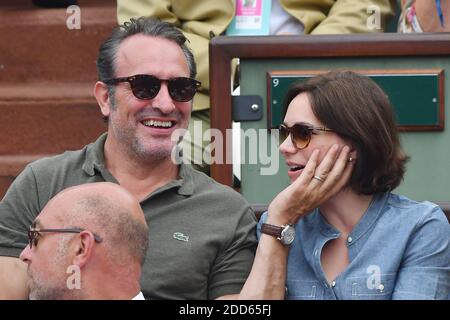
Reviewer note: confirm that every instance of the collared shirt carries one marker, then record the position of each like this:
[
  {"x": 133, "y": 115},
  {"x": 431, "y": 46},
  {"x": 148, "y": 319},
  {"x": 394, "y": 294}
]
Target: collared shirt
[
  {"x": 202, "y": 238},
  {"x": 400, "y": 249}
]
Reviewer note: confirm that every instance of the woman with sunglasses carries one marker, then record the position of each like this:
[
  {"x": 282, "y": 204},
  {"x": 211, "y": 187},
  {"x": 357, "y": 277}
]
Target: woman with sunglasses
[{"x": 364, "y": 242}]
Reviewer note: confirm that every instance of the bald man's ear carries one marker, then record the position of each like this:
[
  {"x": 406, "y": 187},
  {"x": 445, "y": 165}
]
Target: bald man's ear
[
  {"x": 84, "y": 248},
  {"x": 102, "y": 96}
]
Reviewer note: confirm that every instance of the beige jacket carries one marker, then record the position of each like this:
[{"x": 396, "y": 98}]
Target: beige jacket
[{"x": 202, "y": 19}]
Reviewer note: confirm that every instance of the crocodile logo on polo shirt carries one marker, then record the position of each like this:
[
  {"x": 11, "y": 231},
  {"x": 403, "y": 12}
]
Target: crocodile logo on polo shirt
[{"x": 180, "y": 236}]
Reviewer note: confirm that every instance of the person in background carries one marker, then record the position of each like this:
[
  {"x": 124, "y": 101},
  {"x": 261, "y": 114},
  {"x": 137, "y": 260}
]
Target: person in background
[
  {"x": 89, "y": 242},
  {"x": 419, "y": 16},
  {"x": 201, "y": 20},
  {"x": 364, "y": 242}
]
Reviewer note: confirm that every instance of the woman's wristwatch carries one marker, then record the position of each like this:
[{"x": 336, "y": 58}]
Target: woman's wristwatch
[{"x": 285, "y": 233}]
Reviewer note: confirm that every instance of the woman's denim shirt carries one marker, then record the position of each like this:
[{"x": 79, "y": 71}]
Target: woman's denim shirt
[{"x": 400, "y": 249}]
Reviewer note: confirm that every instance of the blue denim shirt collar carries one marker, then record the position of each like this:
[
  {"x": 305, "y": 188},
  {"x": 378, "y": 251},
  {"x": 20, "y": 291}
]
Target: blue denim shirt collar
[
  {"x": 363, "y": 226},
  {"x": 314, "y": 242}
]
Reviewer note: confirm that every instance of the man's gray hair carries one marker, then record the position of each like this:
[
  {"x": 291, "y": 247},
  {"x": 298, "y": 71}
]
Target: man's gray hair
[
  {"x": 147, "y": 26},
  {"x": 107, "y": 55}
]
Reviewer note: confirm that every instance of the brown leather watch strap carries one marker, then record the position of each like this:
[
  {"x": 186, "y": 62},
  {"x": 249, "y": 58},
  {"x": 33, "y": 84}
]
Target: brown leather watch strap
[{"x": 272, "y": 230}]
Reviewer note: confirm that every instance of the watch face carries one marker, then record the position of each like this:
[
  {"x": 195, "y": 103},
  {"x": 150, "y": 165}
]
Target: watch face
[{"x": 288, "y": 235}]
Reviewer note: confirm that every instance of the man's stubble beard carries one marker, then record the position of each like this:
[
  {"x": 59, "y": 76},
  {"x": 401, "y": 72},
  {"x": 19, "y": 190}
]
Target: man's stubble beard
[
  {"x": 135, "y": 148},
  {"x": 130, "y": 143},
  {"x": 56, "y": 289}
]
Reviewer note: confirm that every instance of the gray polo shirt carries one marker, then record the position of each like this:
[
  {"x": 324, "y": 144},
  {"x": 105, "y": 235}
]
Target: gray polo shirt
[{"x": 202, "y": 233}]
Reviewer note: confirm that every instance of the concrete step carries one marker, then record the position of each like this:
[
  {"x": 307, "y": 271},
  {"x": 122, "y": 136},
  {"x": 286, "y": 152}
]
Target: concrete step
[
  {"x": 47, "y": 73},
  {"x": 36, "y": 44},
  {"x": 32, "y": 130},
  {"x": 48, "y": 121}
]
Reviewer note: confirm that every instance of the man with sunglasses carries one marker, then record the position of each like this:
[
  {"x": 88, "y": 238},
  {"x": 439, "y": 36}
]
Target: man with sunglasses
[
  {"x": 201, "y": 20},
  {"x": 89, "y": 242},
  {"x": 202, "y": 233}
]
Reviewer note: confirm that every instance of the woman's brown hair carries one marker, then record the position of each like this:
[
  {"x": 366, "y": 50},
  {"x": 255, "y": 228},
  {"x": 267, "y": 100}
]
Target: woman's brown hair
[{"x": 358, "y": 110}]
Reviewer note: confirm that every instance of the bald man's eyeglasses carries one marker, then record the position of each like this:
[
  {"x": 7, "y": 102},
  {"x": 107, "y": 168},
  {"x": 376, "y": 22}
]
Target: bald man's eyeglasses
[
  {"x": 34, "y": 234},
  {"x": 146, "y": 87}
]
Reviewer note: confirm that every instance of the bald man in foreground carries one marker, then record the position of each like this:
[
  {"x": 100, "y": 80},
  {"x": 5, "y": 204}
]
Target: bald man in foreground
[{"x": 89, "y": 242}]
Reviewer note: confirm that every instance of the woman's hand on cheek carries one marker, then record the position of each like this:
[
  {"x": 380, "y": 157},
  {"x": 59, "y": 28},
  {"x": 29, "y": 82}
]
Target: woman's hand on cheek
[{"x": 316, "y": 184}]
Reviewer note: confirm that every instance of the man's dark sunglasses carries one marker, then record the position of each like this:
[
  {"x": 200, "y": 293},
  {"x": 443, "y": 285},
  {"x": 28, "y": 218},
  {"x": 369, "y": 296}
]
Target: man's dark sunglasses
[
  {"x": 146, "y": 86},
  {"x": 300, "y": 133},
  {"x": 34, "y": 234}
]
